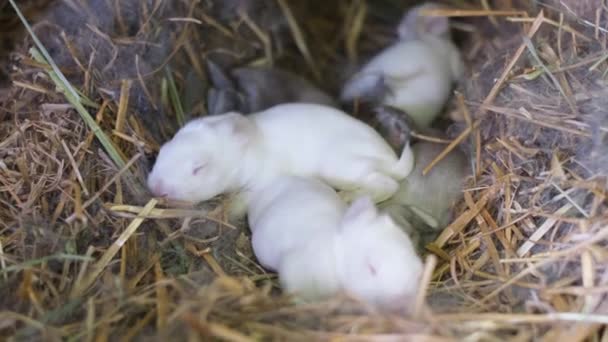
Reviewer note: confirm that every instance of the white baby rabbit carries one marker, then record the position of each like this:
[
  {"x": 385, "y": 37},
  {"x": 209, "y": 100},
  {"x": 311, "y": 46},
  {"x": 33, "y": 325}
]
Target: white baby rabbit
[
  {"x": 231, "y": 152},
  {"x": 302, "y": 229},
  {"x": 309, "y": 271},
  {"x": 293, "y": 223},
  {"x": 376, "y": 261},
  {"x": 288, "y": 212},
  {"x": 416, "y": 74},
  {"x": 367, "y": 256}
]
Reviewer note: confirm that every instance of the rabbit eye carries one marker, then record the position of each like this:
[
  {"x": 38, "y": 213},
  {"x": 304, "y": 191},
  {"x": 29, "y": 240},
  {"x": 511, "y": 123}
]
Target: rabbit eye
[
  {"x": 370, "y": 267},
  {"x": 198, "y": 169}
]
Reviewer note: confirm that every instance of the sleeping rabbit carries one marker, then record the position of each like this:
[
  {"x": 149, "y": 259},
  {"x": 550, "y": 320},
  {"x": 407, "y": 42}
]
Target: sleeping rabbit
[
  {"x": 301, "y": 228},
  {"x": 232, "y": 152},
  {"x": 376, "y": 260},
  {"x": 290, "y": 211},
  {"x": 416, "y": 74}
]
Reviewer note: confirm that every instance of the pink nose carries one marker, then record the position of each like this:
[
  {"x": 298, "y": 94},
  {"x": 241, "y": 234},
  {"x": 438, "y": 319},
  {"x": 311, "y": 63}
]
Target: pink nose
[{"x": 158, "y": 188}]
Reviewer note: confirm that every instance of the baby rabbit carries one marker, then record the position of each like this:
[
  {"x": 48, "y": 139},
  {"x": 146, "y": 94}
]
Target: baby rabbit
[
  {"x": 425, "y": 201},
  {"x": 289, "y": 211},
  {"x": 302, "y": 229},
  {"x": 416, "y": 74},
  {"x": 309, "y": 271},
  {"x": 376, "y": 261},
  {"x": 252, "y": 89},
  {"x": 373, "y": 261},
  {"x": 232, "y": 152}
]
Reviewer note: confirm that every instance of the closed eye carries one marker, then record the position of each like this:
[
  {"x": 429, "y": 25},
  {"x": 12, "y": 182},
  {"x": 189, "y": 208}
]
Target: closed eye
[
  {"x": 198, "y": 169},
  {"x": 370, "y": 267}
]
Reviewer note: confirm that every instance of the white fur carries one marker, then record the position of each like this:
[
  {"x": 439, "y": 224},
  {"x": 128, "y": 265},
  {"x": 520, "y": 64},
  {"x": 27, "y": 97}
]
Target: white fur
[
  {"x": 290, "y": 211},
  {"x": 309, "y": 140},
  {"x": 215, "y": 143},
  {"x": 294, "y": 222},
  {"x": 376, "y": 261},
  {"x": 301, "y": 228},
  {"x": 416, "y": 74},
  {"x": 414, "y": 25},
  {"x": 309, "y": 271}
]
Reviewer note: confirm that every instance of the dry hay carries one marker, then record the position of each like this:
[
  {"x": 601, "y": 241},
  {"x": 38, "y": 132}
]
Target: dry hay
[{"x": 85, "y": 255}]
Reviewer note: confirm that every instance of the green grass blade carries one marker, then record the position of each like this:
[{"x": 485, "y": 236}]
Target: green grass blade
[
  {"x": 41, "y": 55},
  {"x": 67, "y": 86},
  {"x": 75, "y": 101},
  {"x": 174, "y": 96}
]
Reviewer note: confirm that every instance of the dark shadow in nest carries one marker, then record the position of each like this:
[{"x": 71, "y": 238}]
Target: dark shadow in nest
[{"x": 13, "y": 31}]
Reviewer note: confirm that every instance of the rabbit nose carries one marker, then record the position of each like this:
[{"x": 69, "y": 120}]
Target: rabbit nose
[{"x": 158, "y": 188}]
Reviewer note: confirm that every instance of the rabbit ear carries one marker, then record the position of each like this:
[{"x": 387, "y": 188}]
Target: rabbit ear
[
  {"x": 218, "y": 77},
  {"x": 222, "y": 101},
  {"x": 238, "y": 126},
  {"x": 362, "y": 209},
  {"x": 434, "y": 25},
  {"x": 407, "y": 29},
  {"x": 414, "y": 23},
  {"x": 233, "y": 122},
  {"x": 241, "y": 127}
]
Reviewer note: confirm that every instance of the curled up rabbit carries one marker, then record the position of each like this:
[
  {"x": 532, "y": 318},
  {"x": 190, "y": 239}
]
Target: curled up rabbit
[
  {"x": 415, "y": 74},
  {"x": 320, "y": 247}
]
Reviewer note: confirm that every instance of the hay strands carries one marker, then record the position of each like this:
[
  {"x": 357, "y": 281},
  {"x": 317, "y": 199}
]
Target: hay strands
[
  {"x": 41, "y": 55},
  {"x": 109, "y": 254}
]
